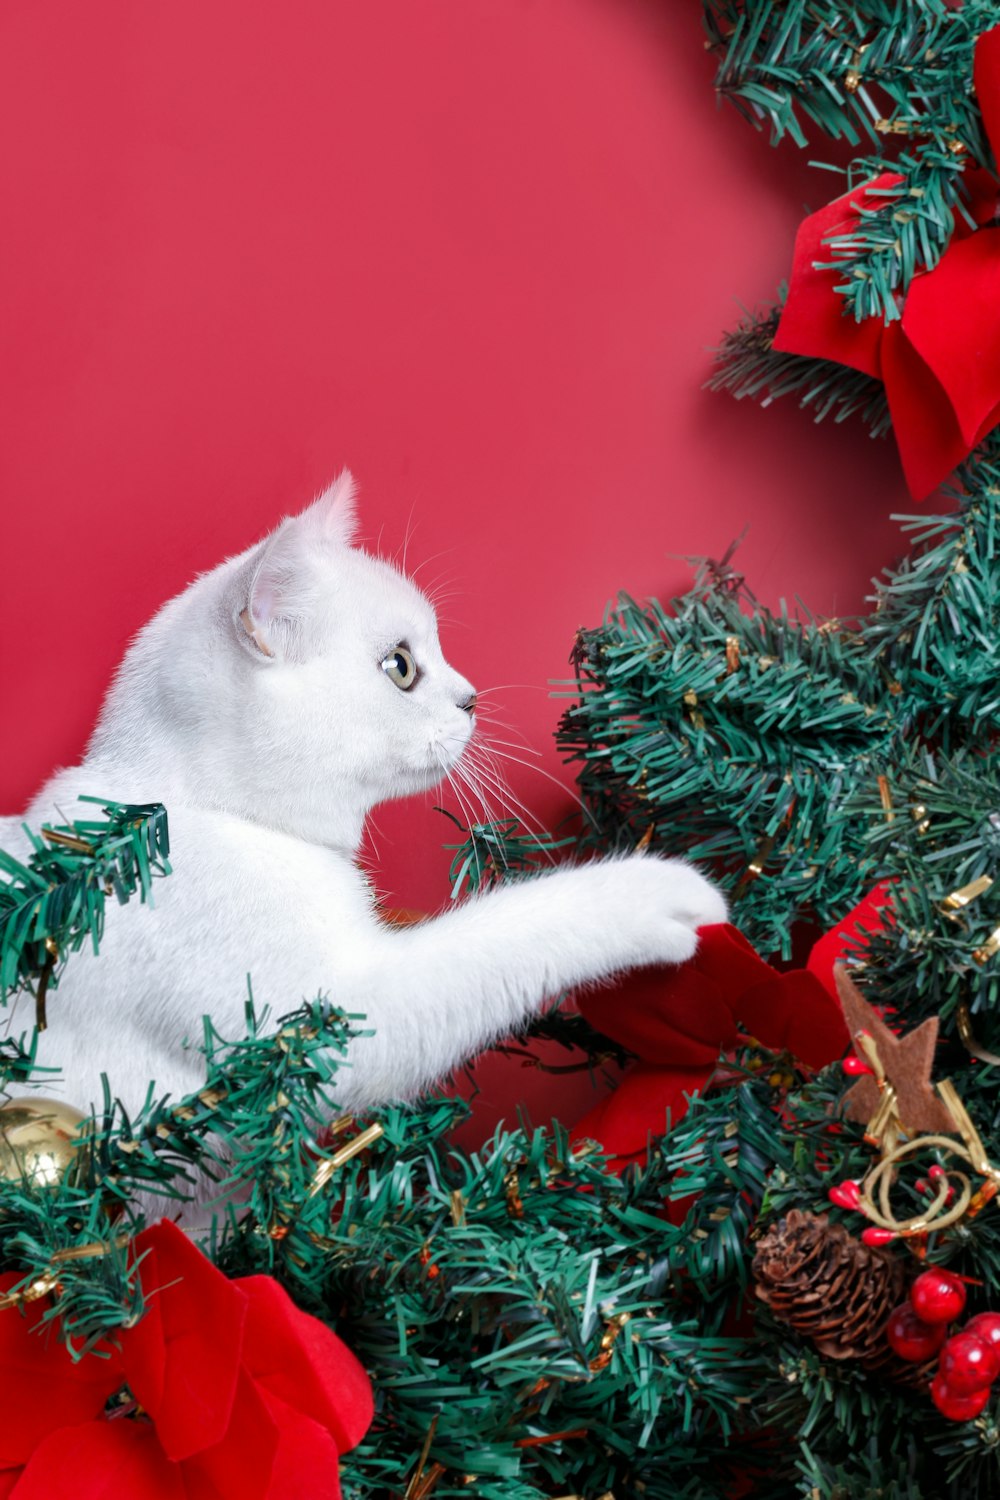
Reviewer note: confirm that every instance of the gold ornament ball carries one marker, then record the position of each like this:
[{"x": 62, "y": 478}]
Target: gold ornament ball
[{"x": 38, "y": 1140}]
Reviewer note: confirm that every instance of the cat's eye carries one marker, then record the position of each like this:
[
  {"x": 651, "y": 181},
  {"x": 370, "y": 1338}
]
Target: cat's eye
[{"x": 400, "y": 667}]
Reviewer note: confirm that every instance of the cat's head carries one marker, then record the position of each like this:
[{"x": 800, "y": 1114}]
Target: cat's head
[{"x": 306, "y": 678}]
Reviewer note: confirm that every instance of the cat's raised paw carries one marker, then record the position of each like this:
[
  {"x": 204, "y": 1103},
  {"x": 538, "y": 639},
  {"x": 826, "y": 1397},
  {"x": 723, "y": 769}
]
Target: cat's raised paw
[{"x": 692, "y": 899}]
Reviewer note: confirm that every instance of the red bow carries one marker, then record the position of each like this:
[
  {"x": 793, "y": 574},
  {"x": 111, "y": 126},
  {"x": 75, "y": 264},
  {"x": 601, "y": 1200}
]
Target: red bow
[
  {"x": 241, "y": 1396},
  {"x": 940, "y": 360},
  {"x": 679, "y": 1020}
]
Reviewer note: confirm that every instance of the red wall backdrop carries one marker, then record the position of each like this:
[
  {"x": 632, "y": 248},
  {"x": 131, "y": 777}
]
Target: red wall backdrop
[{"x": 477, "y": 251}]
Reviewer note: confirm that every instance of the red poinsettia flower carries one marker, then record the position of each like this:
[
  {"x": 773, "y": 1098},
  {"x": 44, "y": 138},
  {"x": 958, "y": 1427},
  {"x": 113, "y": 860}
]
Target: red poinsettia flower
[
  {"x": 238, "y": 1395},
  {"x": 940, "y": 360},
  {"x": 678, "y": 1020}
]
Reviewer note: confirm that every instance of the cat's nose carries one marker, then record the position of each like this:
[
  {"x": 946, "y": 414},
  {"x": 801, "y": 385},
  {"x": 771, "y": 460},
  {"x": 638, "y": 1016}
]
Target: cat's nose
[{"x": 469, "y": 706}]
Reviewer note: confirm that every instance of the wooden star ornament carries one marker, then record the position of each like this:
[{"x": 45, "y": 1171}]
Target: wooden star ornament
[{"x": 908, "y": 1062}]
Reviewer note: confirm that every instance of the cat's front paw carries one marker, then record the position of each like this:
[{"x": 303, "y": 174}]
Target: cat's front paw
[
  {"x": 669, "y": 900},
  {"x": 688, "y": 896}
]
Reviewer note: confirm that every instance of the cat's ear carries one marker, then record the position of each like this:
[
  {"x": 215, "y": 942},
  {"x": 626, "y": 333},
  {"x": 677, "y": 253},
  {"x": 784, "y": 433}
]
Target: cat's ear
[
  {"x": 333, "y": 518},
  {"x": 279, "y": 586}
]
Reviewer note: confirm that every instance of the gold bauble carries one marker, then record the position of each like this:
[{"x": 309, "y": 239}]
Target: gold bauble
[{"x": 39, "y": 1140}]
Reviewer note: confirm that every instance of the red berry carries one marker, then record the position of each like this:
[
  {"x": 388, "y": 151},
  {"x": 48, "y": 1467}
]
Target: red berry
[
  {"x": 875, "y": 1236},
  {"x": 958, "y": 1408},
  {"x": 968, "y": 1364},
  {"x": 986, "y": 1326},
  {"x": 912, "y": 1339},
  {"x": 937, "y": 1296},
  {"x": 845, "y": 1194}
]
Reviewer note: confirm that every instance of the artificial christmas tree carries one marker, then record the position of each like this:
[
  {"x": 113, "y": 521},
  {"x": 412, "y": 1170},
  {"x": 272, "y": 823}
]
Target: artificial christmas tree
[{"x": 721, "y": 1313}]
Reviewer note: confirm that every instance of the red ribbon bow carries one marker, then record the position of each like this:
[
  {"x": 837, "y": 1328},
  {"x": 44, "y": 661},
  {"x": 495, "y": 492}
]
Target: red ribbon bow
[
  {"x": 680, "y": 1019},
  {"x": 241, "y": 1396},
  {"x": 940, "y": 360}
]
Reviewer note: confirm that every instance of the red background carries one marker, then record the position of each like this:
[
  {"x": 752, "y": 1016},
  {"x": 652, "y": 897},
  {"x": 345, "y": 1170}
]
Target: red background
[{"x": 477, "y": 251}]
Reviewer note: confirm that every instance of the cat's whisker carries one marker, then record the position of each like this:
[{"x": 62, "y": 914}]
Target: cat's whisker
[
  {"x": 531, "y": 766},
  {"x": 514, "y": 806},
  {"x": 489, "y": 813},
  {"x": 467, "y": 813},
  {"x": 457, "y": 769},
  {"x": 489, "y": 711},
  {"x": 466, "y": 773},
  {"x": 436, "y": 601},
  {"x": 410, "y": 528},
  {"x": 444, "y": 578},
  {"x": 514, "y": 745},
  {"x": 428, "y": 560}
]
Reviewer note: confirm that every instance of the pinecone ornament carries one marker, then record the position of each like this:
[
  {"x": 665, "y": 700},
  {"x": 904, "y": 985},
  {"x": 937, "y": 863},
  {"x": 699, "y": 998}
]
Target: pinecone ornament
[{"x": 831, "y": 1288}]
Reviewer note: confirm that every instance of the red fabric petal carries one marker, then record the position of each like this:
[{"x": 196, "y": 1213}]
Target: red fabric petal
[
  {"x": 665, "y": 1014},
  {"x": 679, "y": 1020},
  {"x": 685, "y": 1016},
  {"x": 982, "y": 198},
  {"x": 815, "y": 321},
  {"x": 297, "y": 1359},
  {"x": 848, "y": 935},
  {"x": 43, "y": 1389},
  {"x": 923, "y": 420},
  {"x": 989, "y": 422},
  {"x": 952, "y": 319},
  {"x": 8, "y": 1479},
  {"x": 986, "y": 80},
  {"x": 307, "y": 1460},
  {"x": 730, "y": 959},
  {"x": 119, "y": 1460},
  {"x": 182, "y": 1359},
  {"x": 638, "y": 1108},
  {"x": 241, "y": 1467},
  {"x": 794, "y": 1012}
]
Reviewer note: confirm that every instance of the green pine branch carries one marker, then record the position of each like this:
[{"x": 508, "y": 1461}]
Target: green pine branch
[
  {"x": 735, "y": 736},
  {"x": 747, "y": 366},
  {"x": 253, "y": 1129},
  {"x": 55, "y": 902},
  {"x": 876, "y": 72},
  {"x": 936, "y": 618}
]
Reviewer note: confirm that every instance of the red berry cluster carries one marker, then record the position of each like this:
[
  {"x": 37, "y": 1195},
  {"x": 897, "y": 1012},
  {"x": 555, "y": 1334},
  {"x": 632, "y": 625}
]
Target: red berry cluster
[{"x": 969, "y": 1360}]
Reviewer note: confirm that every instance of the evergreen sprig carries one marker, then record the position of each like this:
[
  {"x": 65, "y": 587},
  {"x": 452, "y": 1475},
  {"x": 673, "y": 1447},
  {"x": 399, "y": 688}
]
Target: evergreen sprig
[
  {"x": 734, "y": 735},
  {"x": 53, "y": 903},
  {"x": 936, "y": 617},
  {"x": 747, "y": 366},
  {"x": 252, "y": 1133},
  {"x": 515, "y": 1294},
  {"x": 875, "y": 72}
]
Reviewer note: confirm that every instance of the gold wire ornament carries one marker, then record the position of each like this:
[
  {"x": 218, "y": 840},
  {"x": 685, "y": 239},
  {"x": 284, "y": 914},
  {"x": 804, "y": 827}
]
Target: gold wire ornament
[
  {"x": 963, "y": 1018},
  {"x": 952, "y": 906},
  {"x": 755, "y": 868},
  {"x": 852, "y": 78},
  {"x": 954, "y": 1198},
  {"x": 918, "y": 812},
  {"x": 984, "y": 953}
]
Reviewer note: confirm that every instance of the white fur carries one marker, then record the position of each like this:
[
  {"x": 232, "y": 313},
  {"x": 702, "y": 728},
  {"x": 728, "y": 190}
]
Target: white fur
[{"x": 255, "y": 707}]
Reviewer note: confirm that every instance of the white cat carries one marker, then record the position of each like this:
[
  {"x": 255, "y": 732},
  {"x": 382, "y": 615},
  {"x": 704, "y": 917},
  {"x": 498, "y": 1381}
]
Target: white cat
[{"x": 271, "y": 706}]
